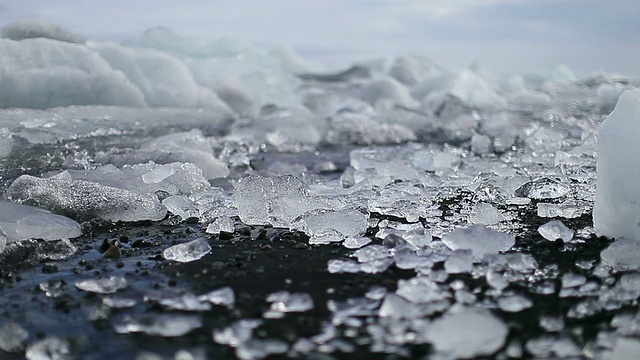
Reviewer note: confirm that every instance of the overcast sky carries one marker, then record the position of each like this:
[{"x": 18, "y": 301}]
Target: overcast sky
[{"x": 503, "y": 35}]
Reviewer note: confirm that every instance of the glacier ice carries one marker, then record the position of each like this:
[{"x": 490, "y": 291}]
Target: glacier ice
[
  {"x": 616, "y": 212},
  {"x": 108, "y": 285},
  {"x": 164, "y": 325}
]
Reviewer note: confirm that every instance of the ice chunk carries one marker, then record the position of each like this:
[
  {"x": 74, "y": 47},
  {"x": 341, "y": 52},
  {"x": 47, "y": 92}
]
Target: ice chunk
[
  {"x": 185, "y": 302},
  {"x": 485, "y": 214},
  {"x": 260, "y": 348},
  {"x": 224, "y": 296},
  {"x": 543, "y": 188},
  {"x": 236, "y": 334},
  {"x": 83, "y": 198},
  {"x": 356, "y": 242},
  {"x": 187, "y": 252},
  {"x": 479, "y": 239},
  {"x": 22, "y": 222},
  {"x": 118, "y": 302},
  {"x": 182, "y": 206},
  {"x": 165, "y": 325},
  {"x": 396, "y": 307},
  {"x": 616, "y": 212},
  {"x": 108, "y": 285},
  {"x": 420, "y": 289},
  {"x": 221, "y": 224},
  {"x": 460, "y": 261},
  {"x": 339, "y": 224},
  {"x": 514, "y": 303},
  {"x": 624, "y": 348},
  {"x": 275, "y": 200},
  {"x": 12, "y": 337},
  {"x": 49, "y": 348},
  {"x": 623, "y": 255},
  {"x": 467, "y": 334},
  {"x": 554, "y": 230},
  {"x": 285, "y": 302}
]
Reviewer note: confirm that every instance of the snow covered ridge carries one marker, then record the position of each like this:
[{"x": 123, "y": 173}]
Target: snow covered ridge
[{"x": 442, "y": 173}]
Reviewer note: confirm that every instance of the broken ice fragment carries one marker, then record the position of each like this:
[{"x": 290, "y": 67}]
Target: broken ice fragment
[
  {"x": 420, "y": 289},
  {"x": 49, "y": 348},
  {"x": 485, "y": 214},
  {"x": 543, "y": 188},
  {"x": 186, "y": 302},
  {"x": 187, "y": 252},
  {"x": 182, "y": 206},
  {"x": 85, "y": 198},
  {"x": 166, "y": 325},
  {"x": 12, "y": 337},
  {"x": 236, "y": 334},
  {"x": 260, "y": 348},
  {"x": 514, "y": 303},
  {"x": 460, "y": 261},
  {"x": 337, "y": 266},
  {"x": 340, "y": 223},
  {"x": 224, "y": 296},
  {"x": 554, "y": 230},
  {"x": 22, "y": 222},
  {"x": 479, "y": 239},
  {"x": 284, "y": 302},
  {"x": 616, "y": 212},
  {"x": 220, "y": 224},
  {"x": 622, "y": 255},
  {"x": 275, "y": 200},
  {"x": 397, "y": 307},
  {"x": 469, "y": 333},
  {"x": 118, "y": 303},
  {"x": 107, "y": 285}
]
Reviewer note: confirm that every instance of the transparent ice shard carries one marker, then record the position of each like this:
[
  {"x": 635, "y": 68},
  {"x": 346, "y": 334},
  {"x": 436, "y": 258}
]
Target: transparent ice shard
[
  {"x": 187, "y": 252},
  {"x": 285, "y": 302},
  {"x": 514, "y": 303},
  {"x": 182, "y": 206},
  {"x": 108, "y": 285},
  {"x": 544, "y": 188},
  {"x": 220, "y": 224},
  {"x": 554, "y": 230}
]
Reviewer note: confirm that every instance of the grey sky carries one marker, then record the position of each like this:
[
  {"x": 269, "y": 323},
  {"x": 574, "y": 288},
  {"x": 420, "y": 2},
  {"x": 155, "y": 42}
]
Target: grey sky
[{"x": 503, "y": 35}]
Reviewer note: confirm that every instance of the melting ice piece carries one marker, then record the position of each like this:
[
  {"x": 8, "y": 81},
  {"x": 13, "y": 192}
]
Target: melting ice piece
[
  {"x": 565, "y": 210},
  {"x": 236, "y": 334},
  {"x": 221, "y": 224},
  {"x": 224, "y": 297},
  {"x": 485, "y": 214},
  {"x": 420, "y": 289},
  {"x": 466, "y": 334},
  {"x": 186, "y": 302},
  {"x": 107, "y": 285},
  {"x": 22, "y": 222},
  {"x": 12, "y": 337},
  {"x": 623, "y": 255},
  {"x": 397, "y": 307},
  {"x": 274, "y": 200},
  {"x": 187, "y": 252},
  {"x": 616, "y": 212},
  {"x": 118, "y": 303},
  {"x": 479, "y": 239},
  {"x": 356, "y": 242},
  {"x": 49, "y": 348},
  {"x": 340, "y": 223},
  {"x": 554, "y": 230},
  {"x": 284, "y": 302},
  {"x": 86, "y": 198},
  {"x": 543, "y": 188},
  {"x": 514, "y": 303},
  {"x": 166, "y": 325},
  {"x": 182, "y": 206},
  {"x": 260, "y": 348}
]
